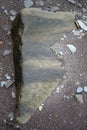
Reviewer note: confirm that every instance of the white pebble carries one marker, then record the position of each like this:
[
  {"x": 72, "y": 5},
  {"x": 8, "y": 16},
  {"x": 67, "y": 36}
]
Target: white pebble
[
  {"x": 85, "y": 89},
  {"x": 72, "y": 48},
  {"x": 79, "y": 90}
]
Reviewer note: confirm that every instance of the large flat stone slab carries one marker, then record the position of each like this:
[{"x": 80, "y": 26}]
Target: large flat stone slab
[{"x": 39, "y": 72}]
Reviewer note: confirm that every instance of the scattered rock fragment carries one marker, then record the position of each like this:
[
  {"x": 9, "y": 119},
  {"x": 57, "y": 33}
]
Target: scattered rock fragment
[
  {"x": 85, "y": 89},
  {"x": 12, "y": 18},
  {"x": 13, "y": 94},
  {"x": 2, "y": 84},
  {"x": 28, "y": 3},
  {"x": 5, "y": 12},
  {"x": 11, "y": 116},
  {"x": 72, "y": 48},
  {"x": 79, "y": 98},
  {"x": 64, "y": 36},
  {"x": 13, "y": 12},
  {"x": 79, "y": 90},
  {"x": 39, "y": 3},
  {"x": 84, "y": 10},
  {"x": 40, "y": 108},
  {"x": 76, "y": 32},
  {"x": 6, "y": 52},
  {"x": 8, "y": 83},
  {"x": 57, "y": 90},
  {"x": 72, "y": 1},
  {"x": 54, "y": 8},
  {"x": 1, "y": 42},
  {"x": 2, "y": 7},
  {"x": 81, "y": 24},
  {"x": 7, "y": 76},
  {"x": 17, "y": 127}
]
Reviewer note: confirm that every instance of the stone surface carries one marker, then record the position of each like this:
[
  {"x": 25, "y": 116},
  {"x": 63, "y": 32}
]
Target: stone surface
[{"x": 40, "y": 68}]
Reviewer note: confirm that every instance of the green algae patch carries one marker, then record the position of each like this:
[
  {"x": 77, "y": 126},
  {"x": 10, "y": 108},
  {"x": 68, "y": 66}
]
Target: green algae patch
[{"x": 37, "y": 70}]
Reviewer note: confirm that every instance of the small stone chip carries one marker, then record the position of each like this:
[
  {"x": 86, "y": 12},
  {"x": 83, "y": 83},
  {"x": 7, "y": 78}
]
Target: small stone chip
[
  {"x": 8, "y": 83},
  {"x": 85, "y": 89},
  {"x": 7, "y": 76},
  {"x": 40, "y": 108},
  {"x": 13, "y": 95},
  {"x": 72, "y": 48},
  {"x": 11, "y": 116},
  {"x": 13, "y": 12},
  {"x": 6, "y": 52},
  {"x": 12, "y": 18},
  {"x": 28, "y": 3},
  {"x": 72, "y": 1},
  {"x": 3, "y": 83},
  {"x": 79, "y": 98}
]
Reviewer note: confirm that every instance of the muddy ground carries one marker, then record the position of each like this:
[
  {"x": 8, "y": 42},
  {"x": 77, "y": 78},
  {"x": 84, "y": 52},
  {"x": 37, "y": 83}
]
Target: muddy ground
[{"x": 7, "y": 102}]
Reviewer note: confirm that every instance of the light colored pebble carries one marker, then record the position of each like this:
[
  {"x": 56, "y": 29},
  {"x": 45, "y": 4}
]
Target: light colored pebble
[
  {"x": 79, "y": 90},
  {"x": 85, "y": 89}
]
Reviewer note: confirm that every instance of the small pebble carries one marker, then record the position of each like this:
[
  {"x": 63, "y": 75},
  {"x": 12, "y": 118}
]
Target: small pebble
[
  {"x": 13, "y": 12},
  {"x": 72, "y": 48},
  {"x": 79, "y": 90},
  {"x": 2, "y": 7},
  {"x": 5, "y": 12},
  {"x": 3, "y": 83},
  {"x": 57, "y": 90},
  {"x": 85, "y": 89},
  {"x": 8, "y": 83},
  {"x": 7, "y": 77},
  {"x": 13, "y": 95},
  {"x": 6, "y": 52},
  {"x": 11, "y": 116},
  {"x": 54, "y": 9},
  {"x": 40, "y": 108},
  {"x": 79, "y": 98},
  {"x": 39, "y": 3},
  {"x": 12, "y": 18},
  {"x": 28, "y": 3}
]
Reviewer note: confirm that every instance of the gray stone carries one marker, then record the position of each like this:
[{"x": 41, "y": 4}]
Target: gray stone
[
  {"x": 79, "y": 98},
  {"x": 85, "y": 89},
  {"x": 72, "y": 1},
  {"x": 54, "y": 8},
  {"x": 76, "y": 32},
  {"x": 5, "y": 12},
  {"x": 11, "y": 116},
  {"x": 7, "y": 76},
  {"x": 7, "y": 52},
  {"x": 39, "y": 3},
  {"x": 13, "y": 12},
  {"x": 8, "y": 83},
  {"x": 12, "y": 18},
  {"x": 81, "y": 24},
  {"x": 13, "y": 94},
  {"x": 72, "y": 48},
  {"x": 28, "y": 3},
  {"x": 84, "y": 10},
  {"x": 2, "y": 84}
]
